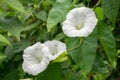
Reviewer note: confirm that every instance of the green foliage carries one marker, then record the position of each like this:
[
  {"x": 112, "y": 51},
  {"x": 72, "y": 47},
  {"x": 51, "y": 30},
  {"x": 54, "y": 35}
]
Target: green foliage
[
  {"x": 25, "y": 22},
  {"x": 13, "y": 26},
  {"x": 83, "y": 55},
  {"x": 42, "y": 15},
  {"x": 57, "y": 13},
  {"x": 4, "y": 40},
  {"x": 53, "y": 68},
  {"x": 2, "y": 57},
  {"x": 10, "y": 76},
  {"x": 111, "y": 8},
  {"x": 63, "y": 57},
  {"x": 15, "y": 4},
  {"x": 99, "y": 13},
  {"x": 108, "y": 42}
]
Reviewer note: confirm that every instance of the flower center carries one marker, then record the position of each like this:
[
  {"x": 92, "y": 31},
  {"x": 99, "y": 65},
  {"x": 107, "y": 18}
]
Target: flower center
[
  {"x": 39, "y": 58},
  {"x": 54, "y": 52},
  {"x": 79, "y": 26}
]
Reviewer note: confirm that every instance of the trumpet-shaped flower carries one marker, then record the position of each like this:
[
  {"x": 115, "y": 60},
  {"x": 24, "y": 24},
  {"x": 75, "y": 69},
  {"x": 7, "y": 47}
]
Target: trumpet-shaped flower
[
  {"x": 80, "y": 22},
  {"x": 56, "y": 48},
  {"x": 35, "y": 58}
]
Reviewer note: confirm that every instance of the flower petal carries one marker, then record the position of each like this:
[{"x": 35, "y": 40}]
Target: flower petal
[
  {"x": 56, "y": 48},
  {"x": 80, "y": 22},
  {"x": 36, "y": 58},
  {"x": 34, "y": 68}
]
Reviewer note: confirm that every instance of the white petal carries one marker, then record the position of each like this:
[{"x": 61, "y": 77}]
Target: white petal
[
  {"x": 55, "y": 47},
  {"x": 36, "y": 50},
  {"x": 34, "y": 68},
  {"x": 36, "y": 58},
  {"x": 73, "y": 16},
  {"x": 80, "y": 22}
]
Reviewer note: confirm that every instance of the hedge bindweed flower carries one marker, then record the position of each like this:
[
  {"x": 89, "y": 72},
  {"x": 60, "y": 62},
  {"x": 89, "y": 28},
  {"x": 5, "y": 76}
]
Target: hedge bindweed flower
[
  {"x": 35, "y": 58},
  {"x": 56, "y": 48},
  {"x": 80, "y": 22}
]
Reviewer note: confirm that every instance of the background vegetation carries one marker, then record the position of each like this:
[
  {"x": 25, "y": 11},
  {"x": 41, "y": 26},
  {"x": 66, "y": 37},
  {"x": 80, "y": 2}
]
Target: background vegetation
[{"x": 24, "y": 22}]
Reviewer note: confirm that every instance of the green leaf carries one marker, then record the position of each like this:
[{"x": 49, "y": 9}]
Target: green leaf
[
  {"x": 21, "y": 45},
  {"x": 99, "y": 13},
  {"x": 9, "y": 52},
  {"x": 83, "y": 76},
  {"x": 4, "y": 40},
  {"x": 16, "y": 47},
  {"x": 99, "y": 65},
  {"x": 53, "y": 72},
  {"x": 110, "y": 8},
  {"x": 57, "y": 13},
  {"x": 15, "y": 4},
  {"x": 43, "y": 35},
  {"x": 26, "y": 79},
  {"x": 108, "y": 42},
  {"x": 10, "y": 76},
  {"x": 42, "y": 15},
  {"x": 13, "y": 26},
  {"x": 2, "y": 57},
  {"x": 99, "y": 76},
  {"x": 60, "y": 36},
  {"x": 63, "y": 57},
  {"x": 85, "y": 54},
  {"x": 31, "y": 26}
]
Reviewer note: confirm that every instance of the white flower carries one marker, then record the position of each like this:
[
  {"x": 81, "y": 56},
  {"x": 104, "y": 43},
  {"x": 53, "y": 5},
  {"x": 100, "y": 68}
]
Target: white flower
[
  {"x": 35, "y": 58},
  {"x": 80, "y": 22},
  {"x": 56, "y": 48}
]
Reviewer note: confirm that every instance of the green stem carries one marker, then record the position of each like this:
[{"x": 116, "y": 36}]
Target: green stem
[
  {"x": 81, "y": 39},
  {"x": 99, "y": 1},
  {"x": 88, "y": 1}
]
